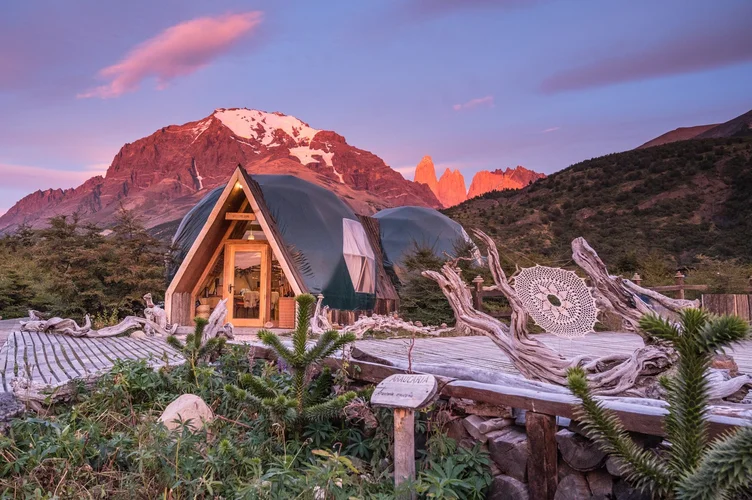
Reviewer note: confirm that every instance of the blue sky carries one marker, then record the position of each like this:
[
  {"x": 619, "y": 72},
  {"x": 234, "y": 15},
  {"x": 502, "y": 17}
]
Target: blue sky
[{"x": 477, "y": 84}]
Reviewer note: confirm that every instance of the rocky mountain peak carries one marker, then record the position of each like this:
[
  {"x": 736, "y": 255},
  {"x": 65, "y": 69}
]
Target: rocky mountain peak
[
  {"x": 425, "y": 173},
  {"x": 161, "y": 176},
  {"x": 451, "y": 188}
]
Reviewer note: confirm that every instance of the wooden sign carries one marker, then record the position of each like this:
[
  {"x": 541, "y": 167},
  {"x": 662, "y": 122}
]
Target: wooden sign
[
  {"x": 405, "y": 391},
  {"x": 240, "y": 216}
]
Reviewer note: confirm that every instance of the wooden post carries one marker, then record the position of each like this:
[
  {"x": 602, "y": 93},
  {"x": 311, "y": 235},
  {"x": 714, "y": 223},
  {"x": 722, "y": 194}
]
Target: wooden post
[
  {"x": 542, "y": 472},
  {"x": 404, "y": 446},
  {"x": 404, "y": 393},
  {"x": 478, "y": 281},
  {"x": 636, "y": 279},
  {"x": 679, "y": 279}
]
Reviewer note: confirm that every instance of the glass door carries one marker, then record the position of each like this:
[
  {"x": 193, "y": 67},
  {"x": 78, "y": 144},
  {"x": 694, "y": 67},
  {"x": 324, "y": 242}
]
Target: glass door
[{"x": 247, "y": 283}]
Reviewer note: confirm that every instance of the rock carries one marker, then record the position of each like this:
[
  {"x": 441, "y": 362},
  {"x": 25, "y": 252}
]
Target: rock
[
  {"x": 579, "y": 452},
  {"x": 452, "y": 189},
  {"x": 10, "y": 408},
  {"x": 600, "y": 482},
  {"x": 507, "y": 488},
  {"x": 572, "y": 487},
  {"x": 138, "y": 334},
  {"x": 419, "y": 324},
  {"x": 443, "y": 325},
  {"x": 510, "y": 450},
  {"x": 425, "y": 173},
  {"x": 511, "y": 178},
  {"x": 563, "y": 469},
  {"x": 470, "y": 407},
  {"x": 725, "y": 362},
  {"x": 472, "y": 424},
  {"x": 494, "y": 424},
  {"x": 622, "y": 491},
  {"x": 268, "y": 324},
  {"x": 519, "y": 417},
  {"x": 187, "y": 406}
]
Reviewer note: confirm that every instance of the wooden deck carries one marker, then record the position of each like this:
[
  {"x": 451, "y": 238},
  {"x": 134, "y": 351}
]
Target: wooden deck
[
  {"x": 482, "y": 353},
  {"x": 53, "y": 360}
]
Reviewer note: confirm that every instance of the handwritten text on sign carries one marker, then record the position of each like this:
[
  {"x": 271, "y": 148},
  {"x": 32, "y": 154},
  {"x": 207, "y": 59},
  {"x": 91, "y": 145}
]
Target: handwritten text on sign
[{"x": 405, "y": 391}]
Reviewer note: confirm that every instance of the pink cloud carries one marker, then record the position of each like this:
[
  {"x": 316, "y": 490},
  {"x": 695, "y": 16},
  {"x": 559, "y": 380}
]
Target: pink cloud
[
  {"x": 552, "y": 129},
  {"x": 487, "y": 101},
  {"x": 717, "y": 44},
  {"x": 178, "y": 51}
]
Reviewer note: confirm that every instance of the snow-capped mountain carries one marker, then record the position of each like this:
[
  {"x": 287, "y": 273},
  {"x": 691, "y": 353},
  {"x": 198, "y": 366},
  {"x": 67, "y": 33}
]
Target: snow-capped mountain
[{"x": 161, "y": 176}]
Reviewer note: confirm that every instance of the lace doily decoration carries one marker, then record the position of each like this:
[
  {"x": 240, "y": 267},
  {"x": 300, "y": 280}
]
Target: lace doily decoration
[{"x": 557, "y": 300}]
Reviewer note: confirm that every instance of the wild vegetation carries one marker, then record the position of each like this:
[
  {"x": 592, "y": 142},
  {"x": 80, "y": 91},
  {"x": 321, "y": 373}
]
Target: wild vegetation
[
  {"x": 71, "y": 269},
  {"x": 673, "y": 205},
  {"x": 108, "y": 442},
  {"x": 690, "y": 467}
]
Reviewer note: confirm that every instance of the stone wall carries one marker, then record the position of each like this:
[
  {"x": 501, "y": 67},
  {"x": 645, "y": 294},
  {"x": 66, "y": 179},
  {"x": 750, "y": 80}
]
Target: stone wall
[{"x": 584, "y": 472}]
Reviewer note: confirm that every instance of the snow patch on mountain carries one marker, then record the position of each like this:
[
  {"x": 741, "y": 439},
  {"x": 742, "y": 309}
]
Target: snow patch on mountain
[
  {"x": 304, "y": 154},
  {"x": 199, "y": 129},
  {"x": 260, "y": 125}
]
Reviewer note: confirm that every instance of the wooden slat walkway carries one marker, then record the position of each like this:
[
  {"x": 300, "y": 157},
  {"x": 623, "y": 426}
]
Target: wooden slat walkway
[
  {"x": 56, "y": 359},
  {"x": 481, "y": 352}
]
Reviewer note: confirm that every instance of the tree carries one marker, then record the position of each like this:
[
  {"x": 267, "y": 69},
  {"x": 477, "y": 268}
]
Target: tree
[
  {"x": 691, "y": 468},
  {"x": 194, "y": 351},
  {"x": 304, "y": 401}
]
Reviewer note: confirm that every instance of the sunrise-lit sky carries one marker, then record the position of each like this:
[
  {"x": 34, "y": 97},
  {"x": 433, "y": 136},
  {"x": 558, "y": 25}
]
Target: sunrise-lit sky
[{"x": 477, "y": 84}]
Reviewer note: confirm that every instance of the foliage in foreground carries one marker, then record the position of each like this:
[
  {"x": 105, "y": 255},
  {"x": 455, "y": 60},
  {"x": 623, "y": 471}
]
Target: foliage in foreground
[
  {"x": 691, "y": 468},
  {"x": 303, "y": 401},
  {"x": 108, "y": 444}
]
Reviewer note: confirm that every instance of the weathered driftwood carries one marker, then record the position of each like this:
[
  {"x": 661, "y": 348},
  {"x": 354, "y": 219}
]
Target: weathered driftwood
[
  {"x": 632, "y": 374},
  {"x": 216, "y": 326},
  {"x": 154, "y": 323},
  {"x": 320, "y": 321},
  {"x": 154, "y": 313},
  {"x": 67, "y": 326},
  {"x": 390, "y": 323}
]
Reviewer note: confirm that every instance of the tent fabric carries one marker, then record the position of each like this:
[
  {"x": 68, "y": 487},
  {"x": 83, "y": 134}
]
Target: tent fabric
[
  {"x": 309, "y": 219},
  {"x": 405, "y": 228},
  {"x": 359, "y": 256}
]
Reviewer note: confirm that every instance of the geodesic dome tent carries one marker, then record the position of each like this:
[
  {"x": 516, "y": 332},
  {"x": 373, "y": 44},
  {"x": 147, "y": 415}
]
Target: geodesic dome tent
[
  {"x": 321, "y": 244},
  {"x": 405, "y": 228}
]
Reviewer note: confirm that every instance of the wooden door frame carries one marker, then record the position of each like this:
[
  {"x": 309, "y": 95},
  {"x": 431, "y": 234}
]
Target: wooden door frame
[{"x": 230, "y": 248}]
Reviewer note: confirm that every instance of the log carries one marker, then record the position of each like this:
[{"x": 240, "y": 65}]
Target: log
[
  {"x": 542, "y": 473},
  {"x": 320, "y": 321},
  {"x": 507, "y": 488},
  {"x": 510, "y": 450},
  {"x": 573, "y": 487},
  {"x": 578, "y": 452}
]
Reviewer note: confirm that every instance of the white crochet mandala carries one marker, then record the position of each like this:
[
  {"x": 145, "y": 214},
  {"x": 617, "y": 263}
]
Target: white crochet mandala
[{"x": 559, "y": 301}]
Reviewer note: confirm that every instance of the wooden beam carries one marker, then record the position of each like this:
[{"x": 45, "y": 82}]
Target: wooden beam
[
  {"x": 544, "y": 453},
  {"x": 634, "y": 417},
  {"x": 240, "y": 216}
]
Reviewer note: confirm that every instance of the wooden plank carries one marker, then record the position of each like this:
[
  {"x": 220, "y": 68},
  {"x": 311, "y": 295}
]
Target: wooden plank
[
  {"x": 61, "y": 357},
  {"x": 543, "y": 473},
  {"x": 240, "y": 216},
  {"x": 10, "y": 348},
  {"x": 36, "y": 353},
  {"x": 81, "y": 354}
]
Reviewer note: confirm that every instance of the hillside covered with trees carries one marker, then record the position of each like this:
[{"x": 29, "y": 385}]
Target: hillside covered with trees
[{"x": 684, "y": 204}]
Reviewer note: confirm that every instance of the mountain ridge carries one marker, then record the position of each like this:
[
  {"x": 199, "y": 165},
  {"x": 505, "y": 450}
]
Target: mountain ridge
[{"x": 162, "y": 175}]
